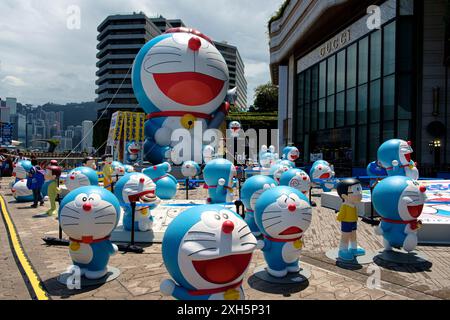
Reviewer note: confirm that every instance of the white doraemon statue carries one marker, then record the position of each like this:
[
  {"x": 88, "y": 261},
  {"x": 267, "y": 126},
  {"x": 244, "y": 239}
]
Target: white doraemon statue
[{"x": 180, "y": 80}]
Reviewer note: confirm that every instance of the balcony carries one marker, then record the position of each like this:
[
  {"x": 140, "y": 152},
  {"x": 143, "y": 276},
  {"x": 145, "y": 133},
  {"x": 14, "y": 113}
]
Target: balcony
[
  {"x": 105, "y": 50},
  {"x": 124, "y": 37},
  {"x": 110, "y": 66}
]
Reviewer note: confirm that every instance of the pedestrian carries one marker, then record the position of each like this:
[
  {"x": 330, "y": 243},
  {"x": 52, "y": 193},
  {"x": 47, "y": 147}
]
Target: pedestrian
[{"x": 35, "y": 181}]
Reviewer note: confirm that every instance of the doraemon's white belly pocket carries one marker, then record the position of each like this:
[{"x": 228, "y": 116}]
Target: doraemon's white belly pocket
[
  {"x": 291, "y": 251},
  {"x": 81, "y": 252}
]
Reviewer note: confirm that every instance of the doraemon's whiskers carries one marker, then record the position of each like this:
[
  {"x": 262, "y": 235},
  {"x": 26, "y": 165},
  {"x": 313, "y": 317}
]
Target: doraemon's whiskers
[
  {"x": 104, "y": 223},
  {"x": 273, "y": 224},
  {"x": 70, "y": 224},
  {"x": 199, "y": 240},
  {"x": 72, "y": 217},
  {"x": 246, "y": 243},
  {"x": 158, "y": 53},
  {"x": 246, "y": 226},
  {"x": 271, "y": 218},
  {"x": 103, "y": 209},
  {"x": 212, "y": 66},
  {"x": 105, "y": 215},
  {"x": 157, "y": 64},
  {"x": 165, "y": 46},
  {"x": 67, "y": 207},
  {"x": 201, "y": 232},
  {"x": 242, "y": 237}
]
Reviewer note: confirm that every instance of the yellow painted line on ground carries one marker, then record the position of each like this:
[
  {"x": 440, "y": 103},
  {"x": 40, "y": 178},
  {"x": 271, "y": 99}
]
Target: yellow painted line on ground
[{"x": 33, "y": 278}]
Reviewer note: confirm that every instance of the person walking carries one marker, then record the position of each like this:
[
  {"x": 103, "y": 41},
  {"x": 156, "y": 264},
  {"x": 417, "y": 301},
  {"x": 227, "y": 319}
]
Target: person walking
[{"x": 35, "y": 181}]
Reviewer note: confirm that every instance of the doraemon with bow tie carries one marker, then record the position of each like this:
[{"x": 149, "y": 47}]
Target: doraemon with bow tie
[
  {"x": 166, "y": 184},
  {"x": 282, "y": 214},
  {"x": 251, "y": 191},
  {"x": 395, "y": 156},
  {"x": 207, "y": 250},
  {"x": 181, "y": 81},
  {"x": 81, "y": 177},
  {"x": 88, "y": 215},
  {"x": 219, "y": 177},
  {"x": 297, "y": 179},
  {"x": 140, "y": 189}
]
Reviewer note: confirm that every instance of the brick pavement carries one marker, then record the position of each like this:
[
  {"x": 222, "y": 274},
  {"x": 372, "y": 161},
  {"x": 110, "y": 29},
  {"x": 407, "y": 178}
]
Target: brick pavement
[{"x": 142, "y": 273}]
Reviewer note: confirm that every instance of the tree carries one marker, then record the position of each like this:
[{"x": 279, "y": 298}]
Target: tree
[{"x": 266, "y": 98}]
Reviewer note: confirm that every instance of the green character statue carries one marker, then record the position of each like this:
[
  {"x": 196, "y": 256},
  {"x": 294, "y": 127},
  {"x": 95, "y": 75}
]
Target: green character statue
[{"x": 52, "y": 174}]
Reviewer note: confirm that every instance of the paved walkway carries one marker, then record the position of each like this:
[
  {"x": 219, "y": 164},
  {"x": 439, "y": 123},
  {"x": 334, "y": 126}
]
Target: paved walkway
[{"x": 142, "y": 273}]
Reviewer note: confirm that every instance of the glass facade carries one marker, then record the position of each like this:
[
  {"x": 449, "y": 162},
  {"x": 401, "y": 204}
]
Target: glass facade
[{"x": 350, "y": 102}]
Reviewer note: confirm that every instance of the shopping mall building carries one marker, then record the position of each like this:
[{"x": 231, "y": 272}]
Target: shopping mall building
[{"x": 352, "y": 75}]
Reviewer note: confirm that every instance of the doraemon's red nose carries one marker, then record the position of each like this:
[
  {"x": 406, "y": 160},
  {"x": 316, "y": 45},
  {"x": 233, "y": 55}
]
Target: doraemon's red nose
[
  {"x": 72, "y": 177},
  {"x": 87, "y": 207},
  {"x": 194, "y": 44},
  {"x": 141, "y": 181},
  {"x": 305, "y": 178},
  {"x": 409, "y": 143},
  {"x": 228, "y": 227},
  {"x": 292, "y": 207},
  {"x": 423, "y": 189}
]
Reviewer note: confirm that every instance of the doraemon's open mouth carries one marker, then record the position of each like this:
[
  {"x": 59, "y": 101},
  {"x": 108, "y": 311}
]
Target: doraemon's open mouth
[
  {"x": 290, "y": 231},
  {"x": 223, "y": 270},
  {"x": 408, "y": 157},
  {"x": 415, "y": 211},
  {"x": 325, "y": 176},
  {"x": 189, "y": 88},
  {"x": 145, "y": 196},
  {"x": 134, "y": 150}
]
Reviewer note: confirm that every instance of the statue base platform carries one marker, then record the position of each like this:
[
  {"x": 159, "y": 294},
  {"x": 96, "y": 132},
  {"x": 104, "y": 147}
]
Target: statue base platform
[
  {"x": 359, "y": 260},
  {"x": 113, "y": 273},
  {"x": 290, "y": 279},
  {"x": 401, "y": 257}
]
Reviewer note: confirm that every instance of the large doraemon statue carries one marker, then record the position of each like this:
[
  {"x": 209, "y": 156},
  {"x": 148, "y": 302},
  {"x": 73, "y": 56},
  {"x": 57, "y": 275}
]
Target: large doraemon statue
[
  {"x": 179, "y": 79},
  {"x": 395, "y": 156},
  {"x": 277, "y": 169},
  {"x": 267, "y": 157},
  {"x": 21, "y": 170},
  {"x": 207, "y": 250},
  {"x": 219, "y": 179},
  {"x": 291, "y": 153},
  {"x": 190, "y": 169},
  {"x": 322, "y": 174},
  {"x": 297, "y": 179},
  {"x": 140, "y": 189},
  {"x": 375, "y": 172},
  {"x": 166, "y": 184},
  {"x": 399, "y": 201},
  {"x": 133, "y": 150},
  {"x": 235, "y": 128},
  {"x": 282, "y": 214},
  {"x": 250, "y": 193},
  {"x": 118, "y": 170},
  {"x": 21, "y": 192},
  {"x": 88, "y": 215},
  {"x": 81, "y": 177}
]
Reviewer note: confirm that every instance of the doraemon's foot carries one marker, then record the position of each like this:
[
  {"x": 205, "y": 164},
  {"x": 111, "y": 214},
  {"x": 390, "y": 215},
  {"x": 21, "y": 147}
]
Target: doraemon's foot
[
  {"x": 277, "y": 273},
  {"x": 50, "y": 213},
  {"x": 145, "y": 226},
  {"x": 293, "y": 269},
  {"x": 410, "y": 242},
  {"x": 358, "y": 251},
  {"x": 96, "y": 274},
  {"x": 346, "y": 255},
  {"x": 387, "y": 245}
]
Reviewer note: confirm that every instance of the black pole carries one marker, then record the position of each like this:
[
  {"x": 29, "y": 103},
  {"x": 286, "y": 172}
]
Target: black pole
[
  {"x": 133, "y": 219},
  {"x": 187, "y": 188}
]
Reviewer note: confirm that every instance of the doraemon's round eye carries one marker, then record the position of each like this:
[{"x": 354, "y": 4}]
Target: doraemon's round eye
[
  {"x": 283, "y": 201},
  {"x": 211, "y": 219},
  {"x": 95, "y": 199},
  {"x": 319, "y": 168},
  {"x": 217, "y": 217},
  {"x": 81, "y": 199},
  {"x": 225, "y": 215}
]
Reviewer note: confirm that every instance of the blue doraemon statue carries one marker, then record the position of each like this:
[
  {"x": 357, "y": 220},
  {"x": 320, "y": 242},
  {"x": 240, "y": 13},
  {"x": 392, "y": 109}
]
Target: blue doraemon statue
[
  {"x": 166, "y": 184},
  {"x": 297, "y": 179},
  {"x": 133, "y": 150},
  {"x": 207, "y": 250},
  {"x": 267, "y": 157},
  {"x": 395, "y": 156},
  {"x": 118, "y": 170},
  {"x": 128, "y": 168},
  {"x": 287, "y": 163},
  {"x": 291, "y": 153},
  {"x": 250, "y": 192},
  {"x": 88, "y": 215},
  {"x": 140, "y": 189},
  {"x": 81, "y": 177},
  {"x": 322, "y": 174},
  {"x": 399, "y": 201},
  {"x": 375, "y": 172},
  {"x": 190, "y": 169},
  {"x": 219, "y": 179},
  {"x": 276, "y": 170},
  {"x": 21, "y": 192},
  {"x": 187, "y": 93},
  {"x": 282, "y": 214},
  {"x": 21, "y": 169}
]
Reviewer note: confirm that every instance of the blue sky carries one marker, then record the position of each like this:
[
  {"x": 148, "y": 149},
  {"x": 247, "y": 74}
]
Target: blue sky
[{"x": 41, "y": 60}]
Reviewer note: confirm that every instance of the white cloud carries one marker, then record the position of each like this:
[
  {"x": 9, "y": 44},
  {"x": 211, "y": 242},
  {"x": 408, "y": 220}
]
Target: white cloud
[
  {"x": 58, "y": 64},
  {"x": 13, "y": 81}
]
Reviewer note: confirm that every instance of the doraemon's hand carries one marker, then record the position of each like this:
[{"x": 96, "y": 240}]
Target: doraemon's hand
[
  {"x": 394, "y": 163},
  {"x": 167, "y": 287},
  {"x": 221, "y": 182},
  {"x": 115, "y": 248},
  {"x": 260, "y": 245}
]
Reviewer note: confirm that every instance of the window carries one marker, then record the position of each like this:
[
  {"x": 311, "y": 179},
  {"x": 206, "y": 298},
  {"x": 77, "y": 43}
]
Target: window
[
  {"x": 340, "y": 73},
  {"x": 375, "y": 55},
  {"x": 389, "y": 49},
  {"x": 307, "y": 113},
  {"x": 322, "y": 113},
  {"x": 351, "y": 66},
  {"x": 375, "y": 101},
  {"x": 404, "y": 100},
  {"x": 403, "y": 129},
  {"x": 322, "y": 79},
  {"x": 314, "y": 116},
  {"x": 308, "y": 86},
  {"x": 388, "y": 98},
  {"x": 314, "y": 83},
  {"x": 351, "y": 107},
  {"x": 388, "y": 130},
  {"x": 340, "y": 109},
  {"x": 374, "y": 138},
  {"x": 330, "y": 112},
  {"x": 363, "y": 60},
  {"x": 362, "y": 104},
  {"x": 361, "y": 145},
  {"x": 331, "y": 66}
]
